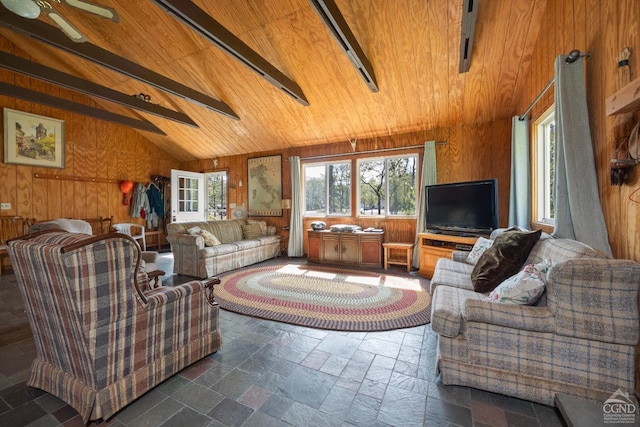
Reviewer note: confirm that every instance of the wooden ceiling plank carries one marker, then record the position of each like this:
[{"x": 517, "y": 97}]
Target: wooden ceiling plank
[
  {"x": 74, "y": 107},
  {"x": 190, "y": 14},
  {"x": 51, "y": 35},
  {"x": 33, "y": 69}
]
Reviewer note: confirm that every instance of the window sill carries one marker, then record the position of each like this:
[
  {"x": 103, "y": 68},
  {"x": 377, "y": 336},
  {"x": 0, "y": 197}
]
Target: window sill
[{"x": 545, "y": 227}]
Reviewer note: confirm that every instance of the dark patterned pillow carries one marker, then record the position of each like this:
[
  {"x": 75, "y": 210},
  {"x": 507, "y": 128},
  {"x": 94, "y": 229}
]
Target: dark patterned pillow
[
  {"x": 251, "y": 231},
  {"x": 504, "y": 259}
]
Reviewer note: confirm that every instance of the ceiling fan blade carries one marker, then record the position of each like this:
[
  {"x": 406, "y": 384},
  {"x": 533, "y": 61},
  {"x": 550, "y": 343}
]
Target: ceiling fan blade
[
  {"x": 95, "y": 8},
  {"x": 67, "y": 27}
]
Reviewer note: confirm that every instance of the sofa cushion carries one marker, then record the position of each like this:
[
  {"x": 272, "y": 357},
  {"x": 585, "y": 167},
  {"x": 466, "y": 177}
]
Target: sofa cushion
[
  {"x": 262, "y": 224},
  {"x": 478, "y": 249},
  {"x": 252, "y": 231},
  {"x": 448, "y": 306},
  {"x": 523, "y": 288},
  {"x": 209, "y": 238},
  {"x": 451, "y": 273},
  {"x": 504, "y": 259}
]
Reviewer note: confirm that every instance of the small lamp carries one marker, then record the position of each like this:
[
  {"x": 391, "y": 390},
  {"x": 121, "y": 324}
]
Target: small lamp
[{"x": 285, "y": 204}]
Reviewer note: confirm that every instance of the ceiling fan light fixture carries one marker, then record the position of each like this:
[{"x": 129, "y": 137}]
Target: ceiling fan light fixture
[{"x": 25, "y": 8}]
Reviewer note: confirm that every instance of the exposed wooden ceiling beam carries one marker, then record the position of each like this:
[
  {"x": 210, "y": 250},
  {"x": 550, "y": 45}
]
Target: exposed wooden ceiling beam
[
  {"x": 39, "y": 71},
  {"x": 53, "y": 36},
  {"x": 74, "y": 107},
  {"x": 199, "y": 21},
  {"x": 469, "y": 14},
  {"x": 335, "y": 22}
]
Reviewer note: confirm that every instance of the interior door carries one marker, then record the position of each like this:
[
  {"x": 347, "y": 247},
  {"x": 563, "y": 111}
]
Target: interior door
[{"x": 187, "y": 196}]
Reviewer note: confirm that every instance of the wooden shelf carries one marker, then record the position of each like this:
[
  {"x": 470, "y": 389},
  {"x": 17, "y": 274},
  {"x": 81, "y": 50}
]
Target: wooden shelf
[{"x": 626, "y": 100}]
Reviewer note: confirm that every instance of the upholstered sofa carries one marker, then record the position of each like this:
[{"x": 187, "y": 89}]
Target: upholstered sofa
[
  {"x": 578, "y": 339},
  {"x": 236, "y": 245},
  {"x": 101, "y": 341}
]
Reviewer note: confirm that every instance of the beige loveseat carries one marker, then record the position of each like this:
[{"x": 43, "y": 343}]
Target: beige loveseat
[
  {"x": 578, "y": 339},
  {"x": 192, "y": 257}
]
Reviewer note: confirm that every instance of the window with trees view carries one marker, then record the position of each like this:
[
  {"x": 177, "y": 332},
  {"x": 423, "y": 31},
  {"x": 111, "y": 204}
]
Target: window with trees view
[
  {"x": 217, "y": 195},
  {"x": 544, "y": 140},
  {"x": 387, "y": 186},
  {"x": 327, "y": 189}
]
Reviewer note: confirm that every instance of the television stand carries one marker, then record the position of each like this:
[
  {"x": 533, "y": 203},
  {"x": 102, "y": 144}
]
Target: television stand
[{"x": 434, "y": 246}]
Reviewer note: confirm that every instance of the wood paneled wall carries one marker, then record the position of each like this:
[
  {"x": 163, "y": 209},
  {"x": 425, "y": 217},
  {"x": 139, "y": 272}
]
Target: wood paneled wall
[
  {"x": 604, "y": 28},
  {"x": 94, "y": 149},
  {"x": 471, "y": 152}
]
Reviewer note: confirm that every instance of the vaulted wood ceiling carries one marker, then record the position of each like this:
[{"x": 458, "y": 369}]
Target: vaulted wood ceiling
[{"x": 413, "y": 47}]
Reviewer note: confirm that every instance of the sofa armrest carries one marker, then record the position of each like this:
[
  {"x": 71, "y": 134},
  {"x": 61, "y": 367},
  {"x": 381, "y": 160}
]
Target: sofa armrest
[
  {"x": 538, "y": 319},
  {"x": 186, "y": 239},
  {"x": 460, "y": 256}
]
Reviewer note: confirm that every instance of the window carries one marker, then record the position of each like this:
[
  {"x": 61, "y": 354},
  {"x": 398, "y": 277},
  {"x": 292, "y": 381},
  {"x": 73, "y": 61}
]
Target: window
[
  {"x": 217, "y": 195},
  {"x": 544, "y": 143},
  {"x": 327, "y": 189},
  {"x": 387, "y": 186},
  {"x": 187, "y": 194}
]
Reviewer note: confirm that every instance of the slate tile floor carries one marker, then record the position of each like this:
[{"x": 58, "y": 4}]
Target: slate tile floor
[{"x": 273, "y": 374}]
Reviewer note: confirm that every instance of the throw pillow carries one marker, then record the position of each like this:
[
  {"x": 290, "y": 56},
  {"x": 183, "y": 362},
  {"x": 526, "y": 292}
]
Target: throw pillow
[
  {"x": 251, "y": 231},
  {"x": 523, "y": 288},
  {"x": 262, "y": 224},
  {"x": 504, "y": 259},
  {"x": 194, "y": 231},
  {"x": 478, "y": 249},
  {"x": 209, "y": 238}
]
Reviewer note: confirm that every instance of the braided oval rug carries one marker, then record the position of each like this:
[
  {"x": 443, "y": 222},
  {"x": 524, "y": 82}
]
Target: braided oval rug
[{"x": 326, "y": 298}]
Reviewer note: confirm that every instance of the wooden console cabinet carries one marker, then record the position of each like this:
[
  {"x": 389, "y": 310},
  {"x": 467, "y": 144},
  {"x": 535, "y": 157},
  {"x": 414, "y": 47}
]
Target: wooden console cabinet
[
  {"x": 359, "y": 248},
  {"x": 436, "y": 246}
]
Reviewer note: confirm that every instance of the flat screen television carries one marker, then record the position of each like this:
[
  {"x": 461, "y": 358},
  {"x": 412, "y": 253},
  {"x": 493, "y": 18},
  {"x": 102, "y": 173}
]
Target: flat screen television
[{"x": 463, "y": 208}]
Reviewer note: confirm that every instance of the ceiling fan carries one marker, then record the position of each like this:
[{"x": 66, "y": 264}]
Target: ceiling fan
[{"x": 31, "y": 9}]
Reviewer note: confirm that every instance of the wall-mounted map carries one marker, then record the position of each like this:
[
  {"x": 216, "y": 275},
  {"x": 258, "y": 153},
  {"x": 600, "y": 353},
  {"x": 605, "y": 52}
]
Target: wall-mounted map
[{"x": 265, "y": 186}]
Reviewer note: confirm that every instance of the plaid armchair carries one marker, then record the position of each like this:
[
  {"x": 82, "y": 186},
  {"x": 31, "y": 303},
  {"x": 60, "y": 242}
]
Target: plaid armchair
[{"x": 101, "y": 340}]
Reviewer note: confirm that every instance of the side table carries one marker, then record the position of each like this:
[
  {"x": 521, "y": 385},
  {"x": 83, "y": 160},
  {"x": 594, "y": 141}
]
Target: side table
[{"x": 406, "y": 260}]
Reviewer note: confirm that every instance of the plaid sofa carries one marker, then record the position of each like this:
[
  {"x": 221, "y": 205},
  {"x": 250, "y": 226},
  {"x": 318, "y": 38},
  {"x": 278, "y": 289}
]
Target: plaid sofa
[
  {"x": 101, "y": 341},
  {"x": 192, "y": 258},
  {"x": 578, "y": 340}
]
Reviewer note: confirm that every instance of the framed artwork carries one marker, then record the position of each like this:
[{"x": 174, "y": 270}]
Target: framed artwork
[
  {"x": 33, "y": 140},
  {"x": 265, "y": 186}
]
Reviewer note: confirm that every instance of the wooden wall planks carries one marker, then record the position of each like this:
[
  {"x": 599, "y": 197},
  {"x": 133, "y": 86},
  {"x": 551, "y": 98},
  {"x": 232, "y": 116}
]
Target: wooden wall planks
[
  {"x": 472, "y": 152},
  {"x": 93, "y": 149}
]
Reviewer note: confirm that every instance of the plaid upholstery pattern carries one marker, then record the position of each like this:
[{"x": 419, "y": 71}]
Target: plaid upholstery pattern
[
  {"x": 446, "y": 317},
  {"x": 192, "y": 258},
  {"x": 101, "y": 342},
  {"x": 513, "y": 316},
  {"x": 581, "y": 343},
  {"x": 595, "y": 299},
  {"x": 451, "y": 273}
]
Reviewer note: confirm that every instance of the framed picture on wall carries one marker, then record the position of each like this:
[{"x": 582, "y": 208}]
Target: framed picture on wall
[
  {"x": 33, "y": 140},
  {"x": 265, "y": 186}
]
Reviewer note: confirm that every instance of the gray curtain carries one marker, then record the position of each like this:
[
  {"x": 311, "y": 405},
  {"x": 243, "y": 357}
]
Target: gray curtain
[
  {"x": 578, "y": 212},
  {"x": 429, "y": 177},
  {"x": 520, "y": 188},
  {"x": 296, "y": 234}
]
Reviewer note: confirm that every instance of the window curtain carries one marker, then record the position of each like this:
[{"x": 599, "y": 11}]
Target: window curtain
[
  {"x": 296, "y": 234},
  {"x": 429, "y": 177},
  {"x": 578, "y": 212},
  {"x": 520, "y": 188}
]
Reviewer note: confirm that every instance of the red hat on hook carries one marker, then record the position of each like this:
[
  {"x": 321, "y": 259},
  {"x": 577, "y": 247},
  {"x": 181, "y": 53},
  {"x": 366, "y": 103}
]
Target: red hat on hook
[{"x": 125, "y": 187}]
